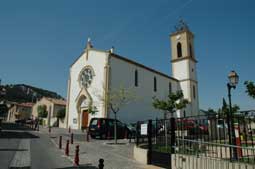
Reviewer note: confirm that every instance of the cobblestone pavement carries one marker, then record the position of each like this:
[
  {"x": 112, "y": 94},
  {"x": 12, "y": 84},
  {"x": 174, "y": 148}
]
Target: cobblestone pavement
[{"x": 118, "y": 156}]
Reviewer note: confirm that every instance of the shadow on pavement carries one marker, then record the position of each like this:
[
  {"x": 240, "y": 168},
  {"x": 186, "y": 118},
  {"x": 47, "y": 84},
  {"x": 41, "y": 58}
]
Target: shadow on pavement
[
  {"x": 16, "y": 134},
  {"x": 85, "y": 166},
  {"x": 12, "y": 149},
  {"x": 14, "y": 126},
  {"x": 115, "y": 144}
]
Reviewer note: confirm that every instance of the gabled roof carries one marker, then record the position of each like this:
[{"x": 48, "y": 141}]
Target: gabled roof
[
  {"x": 28, "y": 104},
  {"x": 84, "y": 52},
  {"x": 129, "y": 61},
  {"x": 56, "y": 101},
  {"x": 142, "y": 66}
]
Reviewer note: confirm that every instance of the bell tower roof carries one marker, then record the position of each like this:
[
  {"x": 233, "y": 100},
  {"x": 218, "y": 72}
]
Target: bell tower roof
[
  {"x": 182, "y": 43},
  {"x": 181, "y": 27}
]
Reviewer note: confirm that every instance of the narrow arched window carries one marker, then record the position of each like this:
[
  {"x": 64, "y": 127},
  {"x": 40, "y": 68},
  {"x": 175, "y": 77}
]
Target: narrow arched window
[
  {"x": 179, "y": 50},
  {"x": 194, "y": 92},
  {"x": 170, "y": 88},
  {"x": 136, "y": 78},
  {"x": 190, "y": 50},
  {"x": 155, "y": 84}
]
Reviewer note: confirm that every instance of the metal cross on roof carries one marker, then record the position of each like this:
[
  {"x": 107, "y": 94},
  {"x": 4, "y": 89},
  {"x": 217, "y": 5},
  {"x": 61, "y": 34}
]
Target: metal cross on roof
[{"x": 182, "y": 25}]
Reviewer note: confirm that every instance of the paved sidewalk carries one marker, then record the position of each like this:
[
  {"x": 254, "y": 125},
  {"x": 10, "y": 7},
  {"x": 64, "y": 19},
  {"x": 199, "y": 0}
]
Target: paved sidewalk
[
  {"x": 22, "y": 158},
  {"x": 118, "y": 156},
  {"x": 21, "y": 147}
]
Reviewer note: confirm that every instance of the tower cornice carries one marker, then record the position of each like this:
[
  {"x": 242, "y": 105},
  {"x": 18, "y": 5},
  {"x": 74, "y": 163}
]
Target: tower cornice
[
  {"x": 184, "y": 58},
  {"x": 183, "y": 80},
  {"x": 180, "y": 32}
]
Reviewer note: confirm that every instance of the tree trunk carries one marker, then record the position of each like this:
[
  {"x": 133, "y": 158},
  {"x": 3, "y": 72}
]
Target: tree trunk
[{"x": 115, "y": 128}]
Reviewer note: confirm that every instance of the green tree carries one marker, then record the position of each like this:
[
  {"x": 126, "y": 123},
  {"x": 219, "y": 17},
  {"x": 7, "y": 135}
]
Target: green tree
[
  {"x": 115, "y": 99},
  {"x": 42, "y": 111},
  {"x": 92, "y": 109},
  {"x": 174, "y": 102},
  {"x": 61, "y": 113},
  {"x": 250, "y": 88},
  {"x": 211, "y": 112},
  {"x": 222, "y": 112},
  {"x": 3, "y": 110}
]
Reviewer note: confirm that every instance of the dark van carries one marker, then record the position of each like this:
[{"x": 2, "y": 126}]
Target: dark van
[{"x": 104, "y": 128}]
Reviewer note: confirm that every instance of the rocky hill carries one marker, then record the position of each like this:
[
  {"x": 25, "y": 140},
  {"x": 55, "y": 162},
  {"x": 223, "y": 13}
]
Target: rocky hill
[{"x": 24, "y": 93}]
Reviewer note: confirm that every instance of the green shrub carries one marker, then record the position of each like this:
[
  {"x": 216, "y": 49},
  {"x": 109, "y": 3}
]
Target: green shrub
[
  {"x": 42, "y": 111},
  {"x": 61, "y": 113}
]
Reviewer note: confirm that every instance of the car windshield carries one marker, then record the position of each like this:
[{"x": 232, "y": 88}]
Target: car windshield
[
  {"x": 120, "y": 124},
  {"x": 94, "y": 122},
  {"x": 130, "y": 126},
  {"x": 110, "y": 122}
]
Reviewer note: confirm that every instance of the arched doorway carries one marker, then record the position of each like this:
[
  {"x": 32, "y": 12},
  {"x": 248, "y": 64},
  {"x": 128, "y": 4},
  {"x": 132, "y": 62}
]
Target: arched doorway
[
  {"x": 85, "y": 119},
  {"x": 82, "y": 110},
  {"x": 83, "y": 101}
]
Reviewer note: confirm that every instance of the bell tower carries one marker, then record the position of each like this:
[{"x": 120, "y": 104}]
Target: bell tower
[{"x": 184, "y": 66}]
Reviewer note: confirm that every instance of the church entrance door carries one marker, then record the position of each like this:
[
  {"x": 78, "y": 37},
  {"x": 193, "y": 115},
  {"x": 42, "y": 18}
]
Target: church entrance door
[{"x": 85, "y": 119}]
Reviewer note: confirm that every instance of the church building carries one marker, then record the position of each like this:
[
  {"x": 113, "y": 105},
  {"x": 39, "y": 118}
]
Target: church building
[{"x": 96, "y": 72}]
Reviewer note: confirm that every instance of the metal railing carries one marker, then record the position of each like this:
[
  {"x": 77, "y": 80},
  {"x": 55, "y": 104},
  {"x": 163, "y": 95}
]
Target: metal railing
[{"x": 201, "y": 136}]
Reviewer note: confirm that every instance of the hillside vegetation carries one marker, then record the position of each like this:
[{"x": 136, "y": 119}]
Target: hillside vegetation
[{"x": 25, "y": 93}]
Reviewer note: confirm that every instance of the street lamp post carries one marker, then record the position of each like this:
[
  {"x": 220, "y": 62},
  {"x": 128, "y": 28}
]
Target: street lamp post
[{"x": 233, "y": 81}]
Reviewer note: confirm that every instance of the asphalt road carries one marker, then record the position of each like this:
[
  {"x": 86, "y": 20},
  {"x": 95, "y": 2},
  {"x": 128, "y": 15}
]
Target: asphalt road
[
  {"x": 43, "y": 153},
  {"x": 8, "y": 148}
]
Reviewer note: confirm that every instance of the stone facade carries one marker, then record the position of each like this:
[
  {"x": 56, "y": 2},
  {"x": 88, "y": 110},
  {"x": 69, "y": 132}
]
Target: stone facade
[
  {"x": 18, "y": 111},
  {"x": 96, "y": 72},
  {"x": 53, "y": 106}
]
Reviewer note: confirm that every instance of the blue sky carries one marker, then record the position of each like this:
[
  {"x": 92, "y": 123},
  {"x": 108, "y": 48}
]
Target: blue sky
[{"x": 39, "y": 40}]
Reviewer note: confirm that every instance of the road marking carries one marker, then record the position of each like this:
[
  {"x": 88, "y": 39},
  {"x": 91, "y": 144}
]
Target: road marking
[{"x": 22, "y": 159}]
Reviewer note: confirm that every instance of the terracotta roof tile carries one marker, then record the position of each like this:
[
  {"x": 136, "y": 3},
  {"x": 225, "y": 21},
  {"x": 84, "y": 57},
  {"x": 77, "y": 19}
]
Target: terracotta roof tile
[
  {"x": 25, "y": 104},
  {"x": 57, "y": 101}
]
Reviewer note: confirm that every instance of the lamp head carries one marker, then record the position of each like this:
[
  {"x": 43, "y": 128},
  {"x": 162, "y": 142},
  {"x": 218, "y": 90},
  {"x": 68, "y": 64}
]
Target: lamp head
[{"x": 233, "y": 78}]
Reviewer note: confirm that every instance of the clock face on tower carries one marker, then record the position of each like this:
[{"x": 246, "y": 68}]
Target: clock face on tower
[{"x": 86, "y": 77}]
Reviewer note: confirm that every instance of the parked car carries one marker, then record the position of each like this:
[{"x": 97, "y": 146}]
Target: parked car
[
  {"x": 24, "y": 121},
  {"x": 20, "y": 121},
  {"x": 222, "y": 124},
  {"x": 194, "y": 127},
  {"x": 29, "y": 121},
  {"x": 185, "y": 124},
  {"x": 104, "y": 128},
  {"x": 1, "y": 124}
]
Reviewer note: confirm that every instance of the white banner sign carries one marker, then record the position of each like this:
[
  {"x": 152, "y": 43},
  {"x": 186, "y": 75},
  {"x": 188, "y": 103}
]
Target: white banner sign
[
  {"x": 74, "y": 121},
  {"x": 144, "y": 128}
]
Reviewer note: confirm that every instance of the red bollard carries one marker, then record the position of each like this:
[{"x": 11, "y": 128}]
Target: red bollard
[
  {"x": 71, "y": 138},
  {"x": 76, "y": 158},
  {"x": 238, "y": 142},
  {"x": 60, "y": 142},
  {"x": 67, "y": 148}
]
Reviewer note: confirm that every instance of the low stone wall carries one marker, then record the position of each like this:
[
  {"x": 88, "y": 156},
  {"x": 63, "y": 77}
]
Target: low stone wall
[
  {"x": 180, "y": 161},
  {"x": 140, "y": 155},
  {"x": 62, "y": 123},
  {"x": 192, "y": 162}
]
